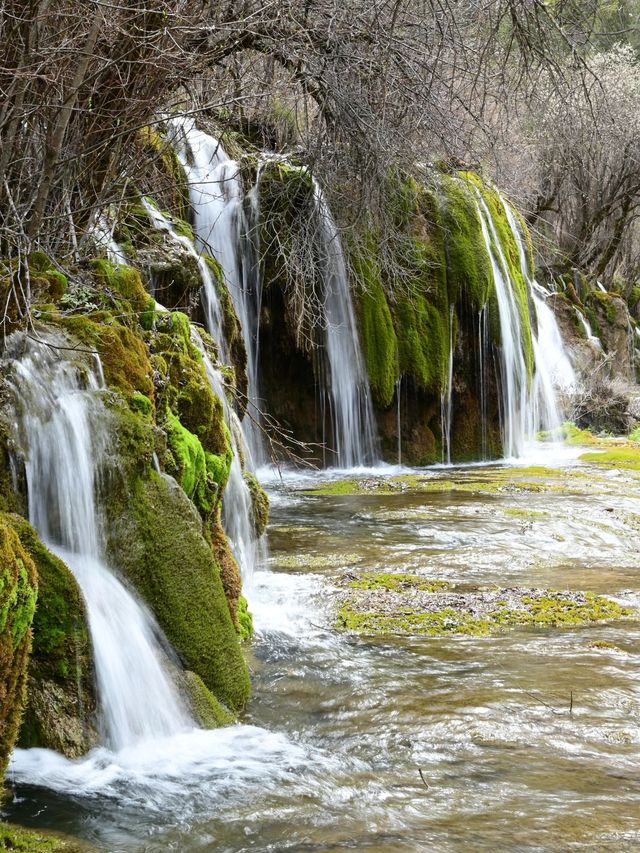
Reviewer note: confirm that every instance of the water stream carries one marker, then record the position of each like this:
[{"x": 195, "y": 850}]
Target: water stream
[
  {"x": 338, "y": 726},
  {"x": 62, "y": 430}
]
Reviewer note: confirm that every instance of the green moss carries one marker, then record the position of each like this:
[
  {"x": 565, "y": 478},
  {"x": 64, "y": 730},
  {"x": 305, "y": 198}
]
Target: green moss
[
  {"x": 124, "y": 356},
  {"x": 209, "y": 713},
  {"x": 125, "y": 281},
  {"x": 61, "y": 691},
  {"x": 22, "y": 840},
  {"x": 469, "y": 274},
  {"x": 519, "y": 512},
  {"x": 617, "y": 457},
  {"x": 189, "y": 455},
  {"x": 155, "y": 538},
  {"x": 245, "y": 619},
  {"x": 396, "y": 582},
  {"x": 142, "y": 404},
  {"x": 377, "y": 335},
  {"x": 553, "y": 610},
  {"x": 259, "y": 504},
  {"x": 46, "y": 280},
  {"x": 18, "y": 595}
]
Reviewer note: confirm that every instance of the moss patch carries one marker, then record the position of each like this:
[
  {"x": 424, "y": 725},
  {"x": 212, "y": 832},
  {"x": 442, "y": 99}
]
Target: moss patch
[
  {"x": 410, "y": 610},
  {"x": 396, "y": 582},
  {"x": 18, "y": 595},
  {"x": 155, "y": 538},
  {"x": 22, "y": 840}
]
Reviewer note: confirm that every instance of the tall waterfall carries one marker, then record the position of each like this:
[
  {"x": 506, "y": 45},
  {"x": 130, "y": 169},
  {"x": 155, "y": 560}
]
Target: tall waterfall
[
  {"x": 237, "y": 505},
  {"x": 526, "y": 406},
  {"x": 62, "y": 429},
  {"x": 349, "y": 396},
  {"x": 226, "y": 227}
]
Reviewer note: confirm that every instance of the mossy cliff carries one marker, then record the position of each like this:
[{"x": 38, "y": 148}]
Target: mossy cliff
[
  {"x": 18, "y": 595},
  {"x": 426, "y": 291},
  {"x": 161, "y": 487}
]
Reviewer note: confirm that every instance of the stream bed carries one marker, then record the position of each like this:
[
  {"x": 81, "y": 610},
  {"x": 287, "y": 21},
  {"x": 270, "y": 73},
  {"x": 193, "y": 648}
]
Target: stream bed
[{"x": 525, "y": 740}]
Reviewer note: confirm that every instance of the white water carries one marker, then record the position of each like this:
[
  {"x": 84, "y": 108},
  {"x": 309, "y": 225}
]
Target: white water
[
  {"x": 103, "y": 236},
  {"x": 513, "y": 368},
  {"x": 237, "y": 507},
  {"x": 588, "y": 331},
  {"x": 249, "y": 551},
  {"x": 446, "y": 399},
  {"x": 211, "y": 300},
  {"x": 354, "y": 428},
  {"x": 225, "y": 230},
  {"x": 61, "y": 428},
  {"x": 526, "y": 407}
]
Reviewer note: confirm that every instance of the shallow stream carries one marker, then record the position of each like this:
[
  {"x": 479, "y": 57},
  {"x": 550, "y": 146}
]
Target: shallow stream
[{"x": 527, "y": 740}]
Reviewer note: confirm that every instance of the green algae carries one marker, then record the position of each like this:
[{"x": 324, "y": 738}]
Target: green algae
[
  {"x": 550, "y": 610},
  {"x": 18, "y": 596},
  {"x": 616, "y": 457},
  {"x": 21, "y": 840},
  {"x": 396, "y": 582}
]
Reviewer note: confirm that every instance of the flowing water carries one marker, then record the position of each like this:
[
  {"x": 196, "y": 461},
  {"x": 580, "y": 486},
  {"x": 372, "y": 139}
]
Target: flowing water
[
  {"x": 61, "y": 428},
  {"x": 527, "y": 740},
  {"x": 226, "y": 227},
  {"x": 526, "y": 405}
]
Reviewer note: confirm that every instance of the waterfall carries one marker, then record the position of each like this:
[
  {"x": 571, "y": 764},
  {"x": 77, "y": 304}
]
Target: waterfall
[
  {"x": 62, "y": 429},
  {"x": 211, "y": 300},
  {"x": 446, "y": 399},
  {"x": 354, "y": 429},
  {"x": 237, "y": 510},
  {"x": 588, "y": 330},
  {"x": 514, "y": 408},
  {"x": 483, "y": 357},
  {"x": 237, "y": 506},
  {"x": 226, "y": 227},
  {"x": 525, "y": 407}
]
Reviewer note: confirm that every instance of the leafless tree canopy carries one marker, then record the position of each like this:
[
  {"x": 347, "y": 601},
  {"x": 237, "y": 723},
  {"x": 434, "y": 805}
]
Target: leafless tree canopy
[{"x": 362, "y": 90}]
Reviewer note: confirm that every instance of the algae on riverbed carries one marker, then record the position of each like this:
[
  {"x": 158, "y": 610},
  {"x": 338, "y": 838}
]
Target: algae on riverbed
[{"x": 387, "y": 604}]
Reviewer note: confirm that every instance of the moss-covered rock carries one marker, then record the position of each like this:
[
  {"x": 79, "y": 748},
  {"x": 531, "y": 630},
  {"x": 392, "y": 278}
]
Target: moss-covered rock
[
  {"x": 61, "y": 696},
  {"x": 259, "y": 504},
  {"x": 21, "y": 840},
  {"x": 206, "y": 709},
  {"x": 156, "y": 539},
  {"x": 18, "y": 595}
]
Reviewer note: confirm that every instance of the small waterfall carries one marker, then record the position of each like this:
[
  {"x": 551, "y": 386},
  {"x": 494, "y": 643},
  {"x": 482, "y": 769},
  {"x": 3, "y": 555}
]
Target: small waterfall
[
  {"x": 211, "y": 300},
  {"x": 483, "y": 360},
  {"x": 61, "y": 428},
  {"x": 226, "y": 227},
  {"x": 446, "y": 399},
  {"x": 399, "y": 417},
  {"x": 354, "y": 429},
  {"x": 525, "y": 407},
  {"x": 237, "y": 507},
  {"x": 514, "y": 408},
  {"x": 237, "y": 510},
  {"x": 588, "y": 331}
]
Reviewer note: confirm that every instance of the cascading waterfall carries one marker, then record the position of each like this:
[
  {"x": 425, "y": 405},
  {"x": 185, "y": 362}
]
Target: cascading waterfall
[
  {"x": 525, "y": 407},
  {"x": 62, "y": 429},
  {"x": 248, "y": 550},
  {"x": 226, "y": 227},
  {"x": 211, "y": 300},
  {"x": 483, "y": 358},
  {"x": 354, "y": 429},
  {"x": 237, "y": 506},
  {"x": 446, "y": 398},
  {"x": 514, "y": 375},
  {"x": 588, "y": 330}
]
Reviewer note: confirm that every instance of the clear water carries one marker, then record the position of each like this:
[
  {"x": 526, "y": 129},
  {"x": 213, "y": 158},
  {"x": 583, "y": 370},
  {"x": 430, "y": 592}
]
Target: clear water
[{"x": 328, "y": 755}]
